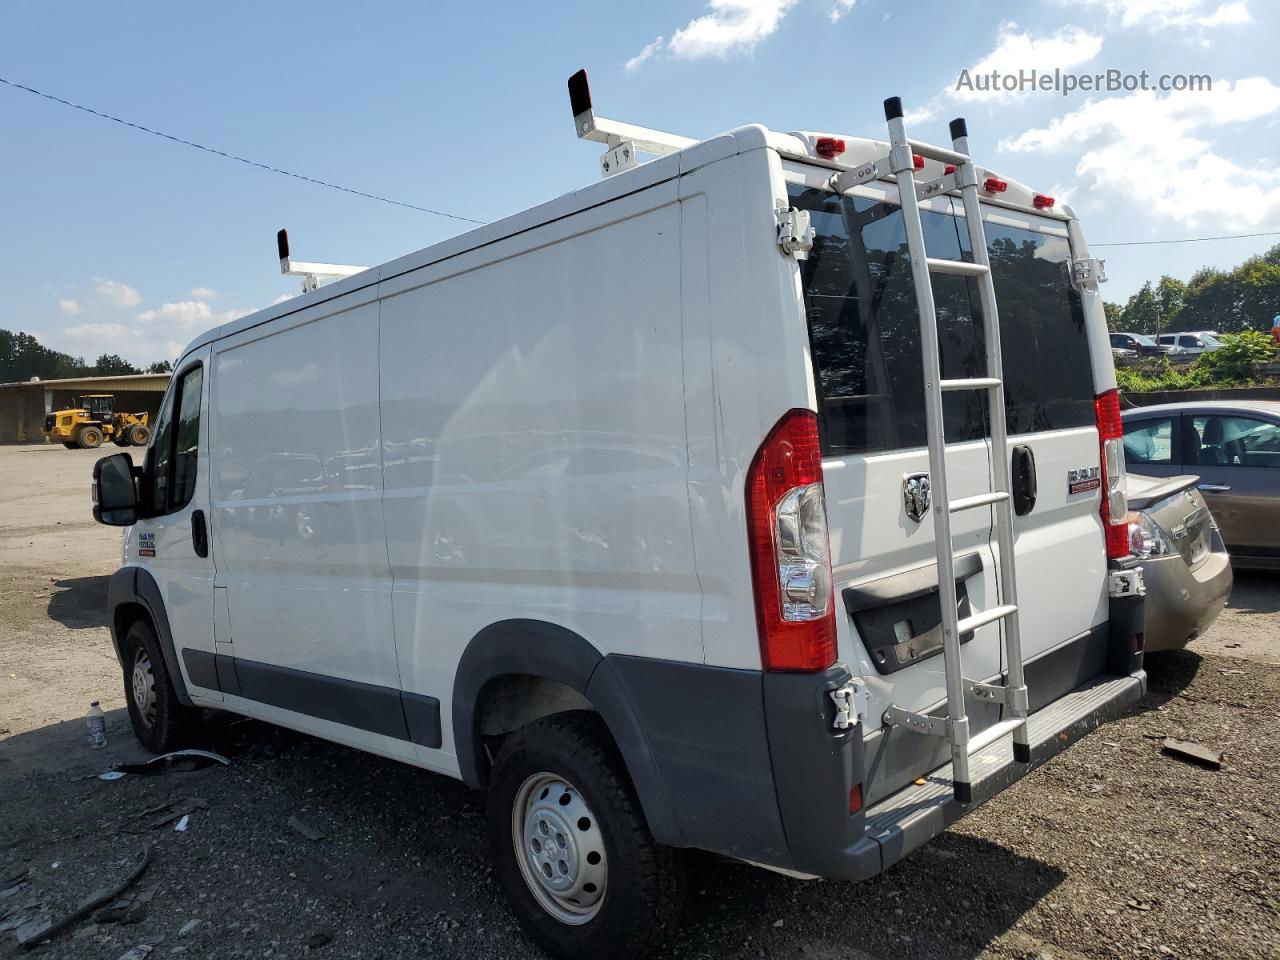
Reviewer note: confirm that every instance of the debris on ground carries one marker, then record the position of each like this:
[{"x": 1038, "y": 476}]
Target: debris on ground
[
  {"x": 1193, "y": 753},
  {"x": 189, "y": 926},
  {"x": 111, "y": 775},
  {"x": 180, "y": 761},
  {"x": 318, "y": 939},
  {"x": 126, "y": 910},
  {"x": 306, "y": 829},
  {"x": 163, "y": 814},
  {"x": 143, "y": 949},
  {"x": 181, "y": 825},
  {"x": 37, "y": 931}
]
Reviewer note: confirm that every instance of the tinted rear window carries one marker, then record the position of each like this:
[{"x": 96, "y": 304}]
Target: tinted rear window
[{"x": 864, "y": 328}]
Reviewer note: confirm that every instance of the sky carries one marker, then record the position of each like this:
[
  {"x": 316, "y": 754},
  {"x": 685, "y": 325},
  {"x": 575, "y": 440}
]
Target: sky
[{"x": 115, "y": 241}]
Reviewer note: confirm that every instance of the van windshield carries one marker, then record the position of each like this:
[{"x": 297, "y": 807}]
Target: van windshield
[{"x": 864, "y": 327}]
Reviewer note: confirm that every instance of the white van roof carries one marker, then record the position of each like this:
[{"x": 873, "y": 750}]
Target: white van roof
[{"x": 799, "y": 146}]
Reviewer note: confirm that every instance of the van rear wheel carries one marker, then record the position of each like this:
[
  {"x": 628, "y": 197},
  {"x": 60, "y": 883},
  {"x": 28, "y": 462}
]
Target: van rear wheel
[
  {"x": 572, "y": 849},
  {"x": 160, "y": 721}
]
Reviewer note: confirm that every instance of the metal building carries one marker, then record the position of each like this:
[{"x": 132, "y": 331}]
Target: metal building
[{"x": 23, "y": 405}]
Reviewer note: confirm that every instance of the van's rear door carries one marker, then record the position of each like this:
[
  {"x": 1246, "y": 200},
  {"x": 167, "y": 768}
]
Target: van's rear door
[
  {"x": 864, "y": 339},
  {"x": 1053, "y": 443},
  {"x": 865, "y": 347}
]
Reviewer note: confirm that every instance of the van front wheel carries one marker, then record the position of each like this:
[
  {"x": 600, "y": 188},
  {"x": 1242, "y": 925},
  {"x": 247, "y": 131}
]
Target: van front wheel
[
  {"x": 160, "y": 721},
  {"x": 583, "y": 874}
]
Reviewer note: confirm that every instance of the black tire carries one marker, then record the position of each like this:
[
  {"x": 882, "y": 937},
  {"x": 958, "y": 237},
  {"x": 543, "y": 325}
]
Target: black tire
[
  {"x": 641, "y": 901},
  {"x": 71, "y": 444},
  {"x": 138, "y": 435},
  {"x": 89, "y": 437},
  {"x": 162, "y": 723}
]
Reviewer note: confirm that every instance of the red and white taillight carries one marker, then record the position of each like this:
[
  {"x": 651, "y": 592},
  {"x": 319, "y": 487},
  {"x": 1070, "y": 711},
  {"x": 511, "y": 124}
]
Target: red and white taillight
[
  {"x": 1115, "y": 502},
  {"x": 790, "y": 549}
]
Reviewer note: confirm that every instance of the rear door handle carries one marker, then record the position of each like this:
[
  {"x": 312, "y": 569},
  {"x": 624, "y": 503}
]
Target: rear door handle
[
  {"x": 1023, "y": 474},
  {"x": 199, "y": 533},
  {"x": 1213, "y": 487}
]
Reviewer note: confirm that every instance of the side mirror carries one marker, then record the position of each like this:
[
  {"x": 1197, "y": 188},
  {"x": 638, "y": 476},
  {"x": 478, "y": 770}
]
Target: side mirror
[{"x": 115, "y": 494}]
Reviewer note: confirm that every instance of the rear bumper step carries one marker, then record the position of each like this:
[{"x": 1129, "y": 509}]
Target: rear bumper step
[{"x": 910, "y": 818}]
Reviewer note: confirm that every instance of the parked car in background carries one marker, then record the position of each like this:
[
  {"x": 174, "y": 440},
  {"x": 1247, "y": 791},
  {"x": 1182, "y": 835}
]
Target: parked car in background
[
  {"x": 1187, "y": 344},
  {"x": 1185, "y": 563},
  {"x": 1139, "y": 343},
  {"x": 1120, "y": 355},
  {"x": 1234, "y": 447}
]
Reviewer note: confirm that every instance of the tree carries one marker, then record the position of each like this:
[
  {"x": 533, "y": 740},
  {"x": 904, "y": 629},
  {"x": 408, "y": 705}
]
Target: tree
[
  {"x": 1115, "y": 316},
  {"x": 22, "y": 357},
  {"x": 1142, "y": 312},
  {"x": 111, "y": 365},
  {"x": 160, "y": 366}
]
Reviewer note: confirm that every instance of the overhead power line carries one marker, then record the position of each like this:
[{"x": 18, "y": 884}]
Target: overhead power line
[
  {"x": 232, "y": 156},
  {"x": 1146, "y": 243}
]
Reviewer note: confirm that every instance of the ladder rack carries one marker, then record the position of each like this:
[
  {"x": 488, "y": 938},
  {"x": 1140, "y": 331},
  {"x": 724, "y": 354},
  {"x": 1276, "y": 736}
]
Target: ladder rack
[{"x": 954, "y": 727}]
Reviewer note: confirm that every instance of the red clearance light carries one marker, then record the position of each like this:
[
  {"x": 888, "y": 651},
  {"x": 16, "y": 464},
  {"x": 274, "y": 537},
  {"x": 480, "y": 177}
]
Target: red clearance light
[
  {"x": 855, "y": 798},
  {"x": 917, "y": 161},
  {"x": 1041, "y": 201},
  {"x": 995, "y": 185},
  {"x": 829, "y": 147},
  {"x": 1115, "y": 504},
  {"x": 949, "y": 168},
  {"x": 790, "y": 552}
]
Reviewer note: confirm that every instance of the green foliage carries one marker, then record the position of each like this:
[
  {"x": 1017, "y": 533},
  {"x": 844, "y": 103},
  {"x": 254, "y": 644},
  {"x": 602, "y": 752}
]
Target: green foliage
[
  {"x": 160, "y": 366},
  {"x": 1233, "y": 301},
  {"x": 1238, "y": 358},
  {"x": 22, "y": 357},
  {"x": 1158, "y": 373},
  {"x": 111, "y": 365}
]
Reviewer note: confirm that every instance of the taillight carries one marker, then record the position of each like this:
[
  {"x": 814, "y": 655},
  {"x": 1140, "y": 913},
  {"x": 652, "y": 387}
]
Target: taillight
[
  {"x": 790, "y": 552},
  {"x": 1115, "y": 503}
]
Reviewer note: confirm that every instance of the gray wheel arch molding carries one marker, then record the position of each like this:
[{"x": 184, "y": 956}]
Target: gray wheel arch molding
[
  {"x": 135, "y": 586},
  {"x": 541, "y": 649}
]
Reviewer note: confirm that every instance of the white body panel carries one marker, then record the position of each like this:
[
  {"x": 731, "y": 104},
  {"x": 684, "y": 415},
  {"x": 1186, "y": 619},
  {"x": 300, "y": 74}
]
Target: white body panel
[{"x": 552, "y": 418}]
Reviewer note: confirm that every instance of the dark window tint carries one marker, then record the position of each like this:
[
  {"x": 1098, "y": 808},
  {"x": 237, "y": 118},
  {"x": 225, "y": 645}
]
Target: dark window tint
[
  {"x": 1149, "y": 441},
  {"x": 160, "y": 456},
  {"x": 864, "y": 329},
  {"x": 865, "y": 336},
  {"x": 186, "y": 437},
  {"x": 172, "y": 456},
  {"x": 1048, "y": 375},
  {"x": 1227, "y": 440}
]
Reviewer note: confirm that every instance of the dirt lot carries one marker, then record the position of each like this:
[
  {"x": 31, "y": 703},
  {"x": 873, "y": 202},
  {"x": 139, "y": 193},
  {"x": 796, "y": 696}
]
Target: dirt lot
[{"x": 1111, "y": 850}]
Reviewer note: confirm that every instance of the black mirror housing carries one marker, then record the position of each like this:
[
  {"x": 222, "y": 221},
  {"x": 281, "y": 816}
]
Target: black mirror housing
[{"x": 115, "y": 491}]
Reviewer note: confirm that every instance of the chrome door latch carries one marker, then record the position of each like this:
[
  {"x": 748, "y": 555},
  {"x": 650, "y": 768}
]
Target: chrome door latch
[
  {"x": 1087, "y": 274},
  {"x": 851, "y": 704}
]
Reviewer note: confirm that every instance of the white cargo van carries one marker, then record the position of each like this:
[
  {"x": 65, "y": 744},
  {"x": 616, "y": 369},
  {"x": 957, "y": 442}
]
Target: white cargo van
[{"x": 629, "y": 510}]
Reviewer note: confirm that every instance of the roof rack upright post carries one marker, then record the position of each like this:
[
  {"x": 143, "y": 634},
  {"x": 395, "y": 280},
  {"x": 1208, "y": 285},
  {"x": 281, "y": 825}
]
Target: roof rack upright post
[
  {"x": 311, "y": 273},
  {"x": 624, "y": 140}
]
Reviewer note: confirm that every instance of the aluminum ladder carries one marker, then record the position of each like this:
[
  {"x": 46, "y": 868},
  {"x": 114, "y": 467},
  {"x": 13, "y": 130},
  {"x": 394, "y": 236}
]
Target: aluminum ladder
[{"x": 1012, "y": 695}]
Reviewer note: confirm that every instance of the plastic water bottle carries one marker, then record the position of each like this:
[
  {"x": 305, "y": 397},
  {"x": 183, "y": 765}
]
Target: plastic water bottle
[{"x": 97, "y": 724}]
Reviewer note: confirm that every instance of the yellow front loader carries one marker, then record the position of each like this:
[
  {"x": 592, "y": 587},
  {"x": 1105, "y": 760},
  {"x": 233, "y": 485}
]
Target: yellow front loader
[{"x": 95, "y": 420}]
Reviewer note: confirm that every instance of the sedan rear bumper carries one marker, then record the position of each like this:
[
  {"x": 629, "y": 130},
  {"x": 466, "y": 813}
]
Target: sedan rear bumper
[{"x": 1182, "y": 601}]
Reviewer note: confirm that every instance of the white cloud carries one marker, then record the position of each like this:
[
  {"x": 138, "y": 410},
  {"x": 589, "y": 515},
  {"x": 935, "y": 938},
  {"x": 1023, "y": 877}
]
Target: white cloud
[
  {"x": 647, "y": 53},
  {"x": 116, "y": 294},
  {"x": 1151, "y": 151},
  {"x": 70, "y": 307},
  {"x": 1016, "y": 51},
  {"x": 839, "y": 9},
  {"x": 1161, "y": 14},
  {"x": 203, "y": 293},
  {"x": 732, "y": 26}
]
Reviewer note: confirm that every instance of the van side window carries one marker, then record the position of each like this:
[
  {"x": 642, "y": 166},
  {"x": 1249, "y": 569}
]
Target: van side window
[
  {"x": 174, "y": 449},
  {"x": 1149, "y": 441}
]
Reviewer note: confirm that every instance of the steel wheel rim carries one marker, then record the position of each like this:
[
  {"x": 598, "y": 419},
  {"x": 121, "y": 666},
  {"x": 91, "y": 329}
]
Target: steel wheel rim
[
  {"x": 560, "y": 848},
  {"x": 143, "y": 682}
]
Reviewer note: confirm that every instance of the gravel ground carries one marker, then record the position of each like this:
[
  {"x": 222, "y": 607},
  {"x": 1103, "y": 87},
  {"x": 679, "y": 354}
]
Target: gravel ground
[{"x": 1111, "y": 850}]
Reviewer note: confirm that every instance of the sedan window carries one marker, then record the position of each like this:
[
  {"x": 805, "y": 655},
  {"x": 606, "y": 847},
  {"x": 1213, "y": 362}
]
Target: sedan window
[
  {"x": 1149, "y": 441},
  {"x": 1235, "y": 441}
]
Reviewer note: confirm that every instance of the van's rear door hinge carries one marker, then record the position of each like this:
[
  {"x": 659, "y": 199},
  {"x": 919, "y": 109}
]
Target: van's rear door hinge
[
  {"x": 851, "y": 704},
  {"x": 1087, "y": 274},
  {"x": 795, "y": 232}
]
